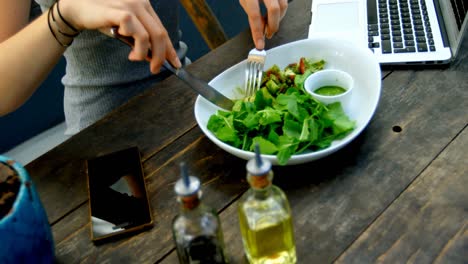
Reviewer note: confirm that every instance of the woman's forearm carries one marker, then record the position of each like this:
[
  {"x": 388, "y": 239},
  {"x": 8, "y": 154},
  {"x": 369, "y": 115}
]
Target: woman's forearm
[
  {"x": 26, "y": 59},
  {"x": 28, "y": 56}
]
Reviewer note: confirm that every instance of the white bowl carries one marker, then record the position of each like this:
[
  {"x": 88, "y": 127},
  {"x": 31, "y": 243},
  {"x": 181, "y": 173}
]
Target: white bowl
[
  {"x": 331, "y": 77},
  {"x": 359, "y": 62}
]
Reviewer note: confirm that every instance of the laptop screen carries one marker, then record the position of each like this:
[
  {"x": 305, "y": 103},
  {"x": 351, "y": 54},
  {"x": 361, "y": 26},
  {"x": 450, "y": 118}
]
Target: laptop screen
[
  {"x": 455, "y": 18},
  {"x": 459, "y": 8}
]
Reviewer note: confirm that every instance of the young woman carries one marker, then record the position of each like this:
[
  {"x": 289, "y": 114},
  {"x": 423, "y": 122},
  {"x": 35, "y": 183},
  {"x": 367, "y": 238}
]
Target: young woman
[{"x": 101, "y": 73}]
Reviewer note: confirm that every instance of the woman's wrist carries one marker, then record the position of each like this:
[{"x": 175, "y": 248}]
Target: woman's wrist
[
  {"x": 71, "y": 29},
  {"x": 62, "y": 30}
]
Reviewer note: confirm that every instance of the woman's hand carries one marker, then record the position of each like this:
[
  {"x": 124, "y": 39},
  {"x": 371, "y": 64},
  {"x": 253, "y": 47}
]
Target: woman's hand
[
  {"x": 135, "y": 18},
  {"x": 264, "y": 26}
]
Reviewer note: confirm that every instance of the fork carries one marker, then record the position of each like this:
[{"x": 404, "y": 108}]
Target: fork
[{"x": 254, "y": 71}]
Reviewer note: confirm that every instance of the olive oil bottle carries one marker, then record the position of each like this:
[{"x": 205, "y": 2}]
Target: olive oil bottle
[
  {"x": 265, "y": 217},
  {"x": 196, "y": 229}
]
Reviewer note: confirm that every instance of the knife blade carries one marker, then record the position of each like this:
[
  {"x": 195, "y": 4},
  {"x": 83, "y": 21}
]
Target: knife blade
[{"x": 200, "y": 86}]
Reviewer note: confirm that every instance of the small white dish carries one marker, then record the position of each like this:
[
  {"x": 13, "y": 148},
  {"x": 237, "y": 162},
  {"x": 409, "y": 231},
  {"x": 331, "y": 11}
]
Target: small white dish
[{"x": 331, "y": 78}]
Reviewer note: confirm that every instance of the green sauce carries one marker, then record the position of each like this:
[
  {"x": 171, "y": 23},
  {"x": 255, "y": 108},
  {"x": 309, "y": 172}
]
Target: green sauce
[{"x": 330, "y": 90}]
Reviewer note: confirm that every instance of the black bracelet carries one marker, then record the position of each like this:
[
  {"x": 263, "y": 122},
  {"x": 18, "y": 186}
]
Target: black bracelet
[
  {"x": 58, "y": 28},
  {"x": 49, "y": 14},
  {"x": 65, "y": 21}
]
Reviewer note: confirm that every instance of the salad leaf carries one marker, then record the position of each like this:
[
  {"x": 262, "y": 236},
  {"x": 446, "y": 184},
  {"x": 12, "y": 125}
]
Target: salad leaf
[
  {"x": 266, "y": 146},
  {"x": 281, "y": 117}
]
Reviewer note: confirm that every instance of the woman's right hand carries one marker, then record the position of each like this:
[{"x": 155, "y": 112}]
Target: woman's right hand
[
  {"x": 264, "y": 26},
  {"x": 135, "y": 18}
]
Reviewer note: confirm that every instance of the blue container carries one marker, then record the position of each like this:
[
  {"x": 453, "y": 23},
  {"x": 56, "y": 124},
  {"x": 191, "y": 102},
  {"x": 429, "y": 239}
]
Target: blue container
[{"x": 25, "y": 234}]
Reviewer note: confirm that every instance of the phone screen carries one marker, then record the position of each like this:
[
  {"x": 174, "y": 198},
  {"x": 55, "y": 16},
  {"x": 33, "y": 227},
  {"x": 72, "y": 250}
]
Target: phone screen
[{"x": 117, "y": 194}]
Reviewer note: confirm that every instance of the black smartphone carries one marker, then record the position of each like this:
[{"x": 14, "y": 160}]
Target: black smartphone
[{"x": 118, "y": 199}]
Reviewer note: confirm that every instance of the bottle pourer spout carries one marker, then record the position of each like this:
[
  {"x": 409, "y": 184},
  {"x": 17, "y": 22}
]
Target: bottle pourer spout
[
  {"x": 258, "y": 166},
  {"x": 258, "y": 158},
  {"x": 185, "y": 176},
  {"x": 187, "y": 185}
]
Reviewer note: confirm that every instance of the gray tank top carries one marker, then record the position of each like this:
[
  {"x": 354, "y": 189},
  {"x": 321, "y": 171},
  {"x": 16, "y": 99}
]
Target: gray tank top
[{"x": 99, "y": 77}]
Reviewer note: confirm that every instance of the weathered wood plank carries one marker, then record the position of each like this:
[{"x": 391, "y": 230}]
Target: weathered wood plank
[
  {"x": 76, "y": 220},
  {"x": 429, "y": 222},
  {"x": 206, "y": 22}
]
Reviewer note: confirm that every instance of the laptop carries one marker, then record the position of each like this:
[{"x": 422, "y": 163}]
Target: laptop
[{"x": 399, "y": 32}]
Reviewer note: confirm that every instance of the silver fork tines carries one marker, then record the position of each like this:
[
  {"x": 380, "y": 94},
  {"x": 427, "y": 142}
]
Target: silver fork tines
[{"x": 254, "y": 71}]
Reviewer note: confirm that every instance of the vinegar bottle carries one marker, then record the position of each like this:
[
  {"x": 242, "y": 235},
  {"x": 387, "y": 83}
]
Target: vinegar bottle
[
  {"x": 196, "y": 229},
  {"x": 265, "y": 217}
]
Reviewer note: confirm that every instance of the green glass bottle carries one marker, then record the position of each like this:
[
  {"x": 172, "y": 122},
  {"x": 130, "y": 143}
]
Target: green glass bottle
[
  {"x": 265, "y": 217},
  {"x": 196, "y": 229}
]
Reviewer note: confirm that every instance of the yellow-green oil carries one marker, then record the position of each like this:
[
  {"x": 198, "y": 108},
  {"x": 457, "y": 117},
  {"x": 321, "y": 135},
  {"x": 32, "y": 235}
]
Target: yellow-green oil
[{"x": 268, "y": 239}]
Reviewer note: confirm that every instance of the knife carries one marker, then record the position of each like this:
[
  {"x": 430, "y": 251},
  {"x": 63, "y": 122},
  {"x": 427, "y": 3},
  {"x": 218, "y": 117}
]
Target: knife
[{"x": 201, "y": 87}]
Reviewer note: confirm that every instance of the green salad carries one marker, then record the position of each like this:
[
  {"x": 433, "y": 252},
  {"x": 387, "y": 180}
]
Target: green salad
[{"x": 282, "y": 117}]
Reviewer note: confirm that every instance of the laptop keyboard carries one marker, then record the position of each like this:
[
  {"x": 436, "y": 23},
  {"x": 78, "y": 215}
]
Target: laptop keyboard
[{"x": 399, "y": 26}]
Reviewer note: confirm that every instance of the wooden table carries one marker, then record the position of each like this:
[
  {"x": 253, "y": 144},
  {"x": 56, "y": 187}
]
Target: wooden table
[{"x": 398, "y": 193}]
